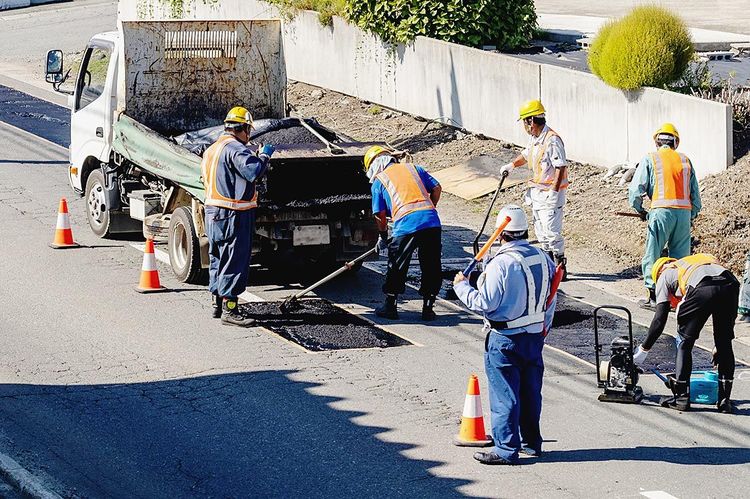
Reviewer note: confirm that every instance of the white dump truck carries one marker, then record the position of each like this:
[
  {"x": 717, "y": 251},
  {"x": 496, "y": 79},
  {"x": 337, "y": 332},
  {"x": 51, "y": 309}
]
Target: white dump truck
[{"x": 150, "y": 97}]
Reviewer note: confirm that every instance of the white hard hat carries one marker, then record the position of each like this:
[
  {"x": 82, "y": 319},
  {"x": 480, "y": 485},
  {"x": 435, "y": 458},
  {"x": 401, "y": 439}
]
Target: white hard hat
[{"x": 518, "y": 221}]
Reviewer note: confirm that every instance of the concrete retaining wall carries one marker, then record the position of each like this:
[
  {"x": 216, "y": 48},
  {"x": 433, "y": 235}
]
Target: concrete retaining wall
[{"x": 481, "y": 91}]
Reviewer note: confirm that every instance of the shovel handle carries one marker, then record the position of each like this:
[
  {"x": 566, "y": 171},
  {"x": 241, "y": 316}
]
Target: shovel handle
[
  {"x": 486, "y": 246},
  {"x": 347, "y": 266}
]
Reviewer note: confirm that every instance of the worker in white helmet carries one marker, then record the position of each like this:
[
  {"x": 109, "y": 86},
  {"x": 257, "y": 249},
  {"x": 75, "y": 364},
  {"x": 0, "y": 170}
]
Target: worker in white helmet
[{"x": 513, "y": 296}]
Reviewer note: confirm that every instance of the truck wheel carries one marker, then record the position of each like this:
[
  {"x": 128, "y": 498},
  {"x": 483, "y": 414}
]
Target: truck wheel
[
  {"x": 96, "y": 205},
  {"x": 184, "y": 248}
]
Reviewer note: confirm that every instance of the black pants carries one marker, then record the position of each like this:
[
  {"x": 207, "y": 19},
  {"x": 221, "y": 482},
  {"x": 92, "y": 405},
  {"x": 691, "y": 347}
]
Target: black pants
[
  {"x": 715, "y": 297},
  {"x": 400, "y": 250}
]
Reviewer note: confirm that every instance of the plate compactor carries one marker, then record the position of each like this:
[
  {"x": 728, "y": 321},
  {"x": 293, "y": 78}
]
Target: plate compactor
[{"x": 619, "y": 375}]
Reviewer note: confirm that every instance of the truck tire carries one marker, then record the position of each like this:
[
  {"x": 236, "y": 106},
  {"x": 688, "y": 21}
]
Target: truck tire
[
  {"x": 97, "y": 214},
  {"x": 184, "y": 248}
]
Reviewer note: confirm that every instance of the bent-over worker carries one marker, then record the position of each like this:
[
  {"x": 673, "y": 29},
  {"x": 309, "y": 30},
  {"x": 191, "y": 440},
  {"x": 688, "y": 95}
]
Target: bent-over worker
[
  {"x": 512, "y": 295},
  {"x": 409, "y": 195},
  {"x": 701, "y": 288},
  {"x": 548, "y": 186},
  {"x": 668, "y": 179},
  {"x": 229, "y": 171}
]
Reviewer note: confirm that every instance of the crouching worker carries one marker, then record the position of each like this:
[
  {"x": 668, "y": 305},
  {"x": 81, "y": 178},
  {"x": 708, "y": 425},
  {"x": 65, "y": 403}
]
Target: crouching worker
[
  {"x": 229, "y": 171},
  {"x": 409, "y": 195},
  {"x": 512, "y": 295},
  {"x": 700, "y": 288}
]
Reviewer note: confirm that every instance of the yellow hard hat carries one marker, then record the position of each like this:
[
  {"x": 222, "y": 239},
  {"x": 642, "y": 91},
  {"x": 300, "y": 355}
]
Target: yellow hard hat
[
  {"x": 373, "y": 153},
  {"x": 531, "y": 108},
  {"x": 658, "y": 265},
  {"x": 239, "y": 114},
  {"x": 667, "y": 128}
]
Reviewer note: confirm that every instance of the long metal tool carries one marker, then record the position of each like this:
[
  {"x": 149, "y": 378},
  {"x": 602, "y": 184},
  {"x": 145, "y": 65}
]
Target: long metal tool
[
  {"x": 478, "y": 257},
  {"x": 332, "y": 148},
  {"x": 489, "y": 212},
  {"x": 292, "y": 302}
]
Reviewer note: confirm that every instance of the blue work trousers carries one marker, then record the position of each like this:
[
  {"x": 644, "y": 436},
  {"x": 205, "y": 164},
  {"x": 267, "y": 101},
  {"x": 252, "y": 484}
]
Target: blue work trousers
[
  {"x": 515, "y": 368},
  {"x": 667, "y": 228},
  {"x": 230, "y": 241}
]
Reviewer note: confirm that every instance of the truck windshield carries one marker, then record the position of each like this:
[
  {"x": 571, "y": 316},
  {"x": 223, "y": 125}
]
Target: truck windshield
[{"x": 93, "y": 75}]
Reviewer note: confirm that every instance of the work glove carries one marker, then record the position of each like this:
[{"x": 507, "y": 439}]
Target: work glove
[
  {"x": 639, "y": 357},
  {"x": 644, "y": 215},
  {"x": 505, "y": 169},
  {"x": 267, "y": 151},
  {"x": 382, "y": 245}
]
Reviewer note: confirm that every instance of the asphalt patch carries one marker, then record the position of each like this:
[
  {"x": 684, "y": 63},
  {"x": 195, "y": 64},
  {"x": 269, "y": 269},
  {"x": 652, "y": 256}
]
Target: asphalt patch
[
  {"x": 36, "y": 116},
  {"x": 318, "y": 325},
  {"x": 573, "y": 332}
]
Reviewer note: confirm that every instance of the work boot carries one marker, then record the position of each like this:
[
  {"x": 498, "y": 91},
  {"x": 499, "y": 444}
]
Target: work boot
[
  {"x": 491, "y": 458},
  {"x": 388, "y": 309},
  {"x": 232, "y": 315},
  {"x": 428, "y": 314},
  {"x": 650, "y": 302},
  {"x": 680, "y": 399},
  {"x": 561, "y": 260},
  {"x": 725, "y": 391},
  {"x": 216, "y": 306}
]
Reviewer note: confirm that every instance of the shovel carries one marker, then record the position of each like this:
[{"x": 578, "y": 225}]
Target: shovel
[{"x": 292, "y": 302}]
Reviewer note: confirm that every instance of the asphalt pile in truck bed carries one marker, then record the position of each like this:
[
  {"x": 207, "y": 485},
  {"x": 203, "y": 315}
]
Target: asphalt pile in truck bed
[{"x": 319, "y": 325}]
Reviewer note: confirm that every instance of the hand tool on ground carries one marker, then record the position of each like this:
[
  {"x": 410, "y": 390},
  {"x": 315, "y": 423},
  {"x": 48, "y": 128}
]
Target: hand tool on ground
[
  {"x": 660, "y": 376},
  {"x": 478, "y": 257},
  {"x": 619, "y": 375},
  {"x": 291, "y": 302},
  {"x": 332, "y": 148},
  {"x": 627, "y": 214}
]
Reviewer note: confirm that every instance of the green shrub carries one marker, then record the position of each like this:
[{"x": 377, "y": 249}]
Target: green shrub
[
  {"x": 504, "y": 23},
  {"x": 648, "y": 47},
  {"x": 326, "y": 9}
]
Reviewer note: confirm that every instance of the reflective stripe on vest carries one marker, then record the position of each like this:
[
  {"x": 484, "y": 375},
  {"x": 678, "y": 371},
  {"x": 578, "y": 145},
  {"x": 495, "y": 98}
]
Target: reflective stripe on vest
[
  {"x": 209, "y": 167},
  {"x": 535, "y": 165},
  {"x": 686, "y": 266},
  {"x": 671, "y": 180},
  {"x": 406, "y": 190},
  {"x": 535, "y": 310}
]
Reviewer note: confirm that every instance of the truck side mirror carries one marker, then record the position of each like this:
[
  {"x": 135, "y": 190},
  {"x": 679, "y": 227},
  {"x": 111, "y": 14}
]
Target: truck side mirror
[{"x": 54, "y": 71}]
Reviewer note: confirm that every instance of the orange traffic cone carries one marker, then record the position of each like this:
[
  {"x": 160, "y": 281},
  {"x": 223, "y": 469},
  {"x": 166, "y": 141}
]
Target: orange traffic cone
[
  {"x": 472, "y": 432},
  {"x": 149, "y": 274},
  {"x": 63, "y": 233}
]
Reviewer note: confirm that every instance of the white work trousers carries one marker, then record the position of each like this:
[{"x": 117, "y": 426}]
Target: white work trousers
[{"x": 547, "y": 207}]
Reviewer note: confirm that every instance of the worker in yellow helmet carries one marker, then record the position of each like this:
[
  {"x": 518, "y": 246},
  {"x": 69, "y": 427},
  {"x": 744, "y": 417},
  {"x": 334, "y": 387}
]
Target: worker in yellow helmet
[
  {"x": 408, "y": 195},
  {"x": 701, "y": 288},
  {"x": 548, "y": 185},
  {"x": 667, "y": 178},
  {"x": 230, "y": 170}
]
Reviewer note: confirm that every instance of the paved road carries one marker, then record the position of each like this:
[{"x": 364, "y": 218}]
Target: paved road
[{"x": 109, "y": 393}]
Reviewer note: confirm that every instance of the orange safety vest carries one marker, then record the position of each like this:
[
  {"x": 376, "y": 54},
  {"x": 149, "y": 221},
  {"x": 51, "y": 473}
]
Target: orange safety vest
[
  {"x": 544, "y": 179},
  {"x": 406, "y": 190},
  {"x": 209, "y": 166},
  {"x": 686, "y": 266},
  {"x": 671, "y": 180}
]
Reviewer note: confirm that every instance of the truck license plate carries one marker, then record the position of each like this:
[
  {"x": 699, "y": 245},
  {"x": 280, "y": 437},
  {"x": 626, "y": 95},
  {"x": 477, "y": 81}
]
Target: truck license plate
[{"x": 310, "y": 235}]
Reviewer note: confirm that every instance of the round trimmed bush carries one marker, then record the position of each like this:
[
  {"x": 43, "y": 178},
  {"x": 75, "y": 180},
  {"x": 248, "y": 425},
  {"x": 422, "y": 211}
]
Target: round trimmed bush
[{"x": 648, "y": 47}]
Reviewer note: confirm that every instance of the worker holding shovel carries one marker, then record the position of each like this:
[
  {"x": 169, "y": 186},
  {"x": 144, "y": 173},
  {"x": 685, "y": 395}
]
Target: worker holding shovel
[
  {"x": 513, "y": 294},
  {"x": 409, "y": 195}
]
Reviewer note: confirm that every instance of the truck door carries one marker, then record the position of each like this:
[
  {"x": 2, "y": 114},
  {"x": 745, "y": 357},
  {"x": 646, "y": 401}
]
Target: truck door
[{"x": 91, "y": 119}]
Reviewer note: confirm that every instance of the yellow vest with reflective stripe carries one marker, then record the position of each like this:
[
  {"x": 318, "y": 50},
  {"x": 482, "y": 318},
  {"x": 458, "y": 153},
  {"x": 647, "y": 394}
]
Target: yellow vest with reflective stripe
[
  {"x": 686, "y": 266},
  {"x": 209, "y": 167},
  {"x": 671, "y": 180},
  {"x": 406, "y": 190},
  {"x": 534, "y": 161}
]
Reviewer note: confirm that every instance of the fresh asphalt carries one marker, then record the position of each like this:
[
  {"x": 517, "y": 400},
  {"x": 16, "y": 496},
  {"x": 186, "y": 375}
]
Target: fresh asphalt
[{"x": 109, "y": 393}]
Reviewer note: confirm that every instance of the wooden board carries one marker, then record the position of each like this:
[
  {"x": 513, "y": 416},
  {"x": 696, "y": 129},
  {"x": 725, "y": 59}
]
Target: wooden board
[{"x": 467, "y": 183}]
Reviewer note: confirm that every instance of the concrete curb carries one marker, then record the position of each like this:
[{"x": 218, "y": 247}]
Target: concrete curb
[
  {"x": 34, "y": 91},
  {"x": 26, "y": 483}
]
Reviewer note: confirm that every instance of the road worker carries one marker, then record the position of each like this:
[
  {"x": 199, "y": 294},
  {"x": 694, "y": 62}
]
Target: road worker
[
  {"x": 409, "y": 195},
  {"x": 668, "y": 179},
  {"x": 229, "y": 171},
  {"x": 548, "y": 185},
  {"x": 512, "y": 294},
  {"x": 700, "y": 288}
]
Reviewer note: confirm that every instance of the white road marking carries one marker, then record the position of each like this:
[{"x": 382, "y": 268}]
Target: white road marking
[
  {"x": 657, "y": 494},
  {"x": 250, "y": 297}
]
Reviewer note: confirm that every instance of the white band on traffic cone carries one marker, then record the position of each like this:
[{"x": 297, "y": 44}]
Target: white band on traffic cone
[
  {"x": 149, "y": 262},
  {"x": 473, "y": 406},
  {"x": 63, "y": 221}
]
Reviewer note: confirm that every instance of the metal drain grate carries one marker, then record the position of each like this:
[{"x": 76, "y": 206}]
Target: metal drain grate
[{"x": 319, "y": 325}]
